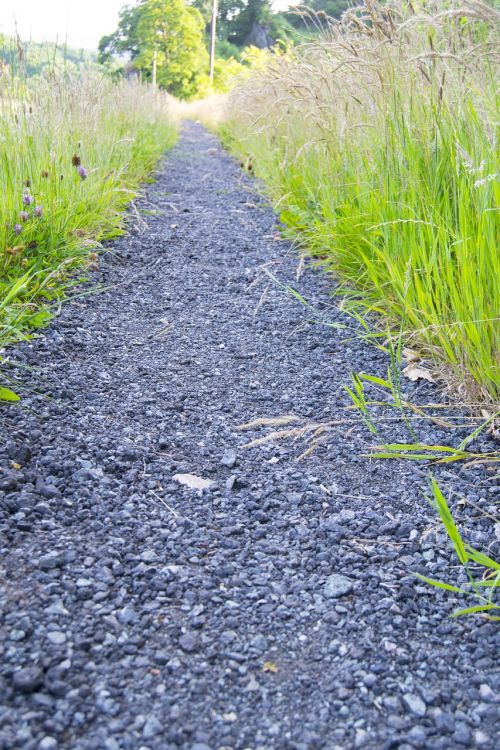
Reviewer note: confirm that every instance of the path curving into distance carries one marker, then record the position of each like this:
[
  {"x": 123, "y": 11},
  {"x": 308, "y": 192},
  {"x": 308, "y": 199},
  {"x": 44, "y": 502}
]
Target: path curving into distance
[{"x": 275, "y": 610}]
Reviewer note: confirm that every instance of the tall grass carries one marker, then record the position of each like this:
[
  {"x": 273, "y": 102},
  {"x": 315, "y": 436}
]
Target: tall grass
[
  {"x": 73, "y": 150},
  {"x": 379, "y": 142}
]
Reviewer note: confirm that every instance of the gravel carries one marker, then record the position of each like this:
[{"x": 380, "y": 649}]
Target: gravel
[{"x": 274, "y": 604}]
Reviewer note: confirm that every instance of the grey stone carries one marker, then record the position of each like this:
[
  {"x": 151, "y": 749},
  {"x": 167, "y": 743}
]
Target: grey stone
[
  {"x": 190, "y": 642},
  {"x": 229, "y": 459},
  {"x": 28, "y": 679},
  {"x": 337, "y": 585},
  {"x": 415, "y": 704},
  {"x": 48, "y": 743},
  {"x": 56, "y": 637},
  {"x": 152, "y": 728}
]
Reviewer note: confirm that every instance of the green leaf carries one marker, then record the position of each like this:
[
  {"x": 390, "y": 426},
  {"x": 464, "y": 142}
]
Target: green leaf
[
  {"x": 374, "y": 379},
  {"x": 481, "y": 558},
  {"x": 474, "y": 610},
  {"x": 440, "y": 584},
  {"x": 449, "y": 523},
  {"x": 7, "y": 395},
  {"x": 40, "y": 319}
]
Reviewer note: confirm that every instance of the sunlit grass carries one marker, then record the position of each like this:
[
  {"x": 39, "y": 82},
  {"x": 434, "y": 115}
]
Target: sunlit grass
[
  {"x": 379, "y": 145},
  {"x": 73, "y": 151}
]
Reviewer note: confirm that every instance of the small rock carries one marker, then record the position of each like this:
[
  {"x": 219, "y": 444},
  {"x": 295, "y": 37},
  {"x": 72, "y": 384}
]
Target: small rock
[
  {"x": 193, "y": 482},
  {"x": 487, "y": 693},
  {"x": 56, "y": 637},
  {"x": 27, "y": 680},
  {"x": 190, "y": 642},
  {"x": 415, "y": 704},
  {"x": 337, "y": 585},
  {"x": 200, "y": 746},
  {"x": 47, "y": 743},
  {"x": 151, "y": 728},
  {"x": 252, "y": 685},
  {"x": 481, "y": 738},
  {"x": 228, "y": 459},
  {"x": 49, "y": 492},
  {"x": 83, "y": 583},
  {"x": 127, "y": 615},
  {"x": 17, "y": 635},
  {"x": 50, "y": 561},
  {"x": 462, "y": 734},
  {"x": 259, "y": 643}
]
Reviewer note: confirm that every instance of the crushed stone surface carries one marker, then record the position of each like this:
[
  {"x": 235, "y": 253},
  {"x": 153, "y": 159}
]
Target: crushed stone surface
[{"x": 263, "y": 603}]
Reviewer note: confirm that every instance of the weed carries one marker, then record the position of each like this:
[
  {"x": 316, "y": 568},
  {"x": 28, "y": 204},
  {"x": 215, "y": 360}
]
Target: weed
[{"x": 483, "y": 587}]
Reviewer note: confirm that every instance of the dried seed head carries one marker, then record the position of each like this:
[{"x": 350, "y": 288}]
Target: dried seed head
[
  {"x": 27, "y": 183},
  {"x": 76, "y": 161},
  {"x": 45, "y": 174}
]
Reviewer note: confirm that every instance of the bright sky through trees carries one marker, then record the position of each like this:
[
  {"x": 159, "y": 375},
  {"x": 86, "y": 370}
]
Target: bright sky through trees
[{"x": 80, "y": 23}]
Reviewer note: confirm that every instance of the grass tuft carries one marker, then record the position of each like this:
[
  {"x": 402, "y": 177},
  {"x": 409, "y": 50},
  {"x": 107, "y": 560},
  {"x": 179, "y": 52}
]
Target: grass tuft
[
  {"x": 73, "y": 151},
  {"x": 379, "y": 144}
]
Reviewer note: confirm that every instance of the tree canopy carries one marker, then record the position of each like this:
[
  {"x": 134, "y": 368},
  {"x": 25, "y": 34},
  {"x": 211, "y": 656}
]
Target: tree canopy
[{"x": 168, "y": 31}]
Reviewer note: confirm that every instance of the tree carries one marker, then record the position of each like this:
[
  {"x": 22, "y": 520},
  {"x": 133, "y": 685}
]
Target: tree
[
  {"x": 168, "y": 32},
  {"x": 245, "y": 22}
]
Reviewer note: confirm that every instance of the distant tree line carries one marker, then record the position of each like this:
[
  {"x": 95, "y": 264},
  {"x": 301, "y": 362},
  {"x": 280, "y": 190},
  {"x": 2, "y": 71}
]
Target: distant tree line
[{"x": 34, "y": 58}]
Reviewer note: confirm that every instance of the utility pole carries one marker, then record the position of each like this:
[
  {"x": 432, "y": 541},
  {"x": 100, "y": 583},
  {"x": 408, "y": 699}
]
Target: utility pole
[
  {"x": 154, "y": 67},
  {"x": 212, "y": 39}
]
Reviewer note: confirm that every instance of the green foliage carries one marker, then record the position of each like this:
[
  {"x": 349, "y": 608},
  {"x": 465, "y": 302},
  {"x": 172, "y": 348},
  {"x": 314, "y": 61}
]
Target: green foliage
[
  {"x": 7, "y": 395},
  {"x": 482, "y": 588},
  {"x": 225, "y": 71},
  {"x": 169, "y": 32},
  {"x": 386, "y": 165},
  {"x": 72, "y": 153},
  {"x": 243, "y": 23}
]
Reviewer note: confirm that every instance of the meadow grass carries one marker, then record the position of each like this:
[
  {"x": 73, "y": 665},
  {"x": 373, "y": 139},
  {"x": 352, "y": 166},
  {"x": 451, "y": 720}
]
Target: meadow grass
[
  {"x": 73, "y": 152},
  {"x": 379, "y": 144}
]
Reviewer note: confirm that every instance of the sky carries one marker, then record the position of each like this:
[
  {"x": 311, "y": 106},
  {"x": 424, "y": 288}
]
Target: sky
[{"x": 79, "y": 23}]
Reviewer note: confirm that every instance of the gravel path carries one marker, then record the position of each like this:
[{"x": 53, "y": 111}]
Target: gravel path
[{"x": 276, "y": 609}]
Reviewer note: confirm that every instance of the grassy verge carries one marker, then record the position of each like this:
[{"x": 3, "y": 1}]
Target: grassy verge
[
  {"x": 73, "y": 151},
  {"x": 378, "y": 143}
]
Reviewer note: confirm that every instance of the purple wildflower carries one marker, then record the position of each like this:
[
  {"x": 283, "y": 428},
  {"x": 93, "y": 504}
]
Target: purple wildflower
[
  {"x": 82, "y": 172},
  {"x": 18, "y": 228},
  {"x": 38, "y": 212},
  {"x": 28, "y": 199},
  {"x": 24, "y": 215}
]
